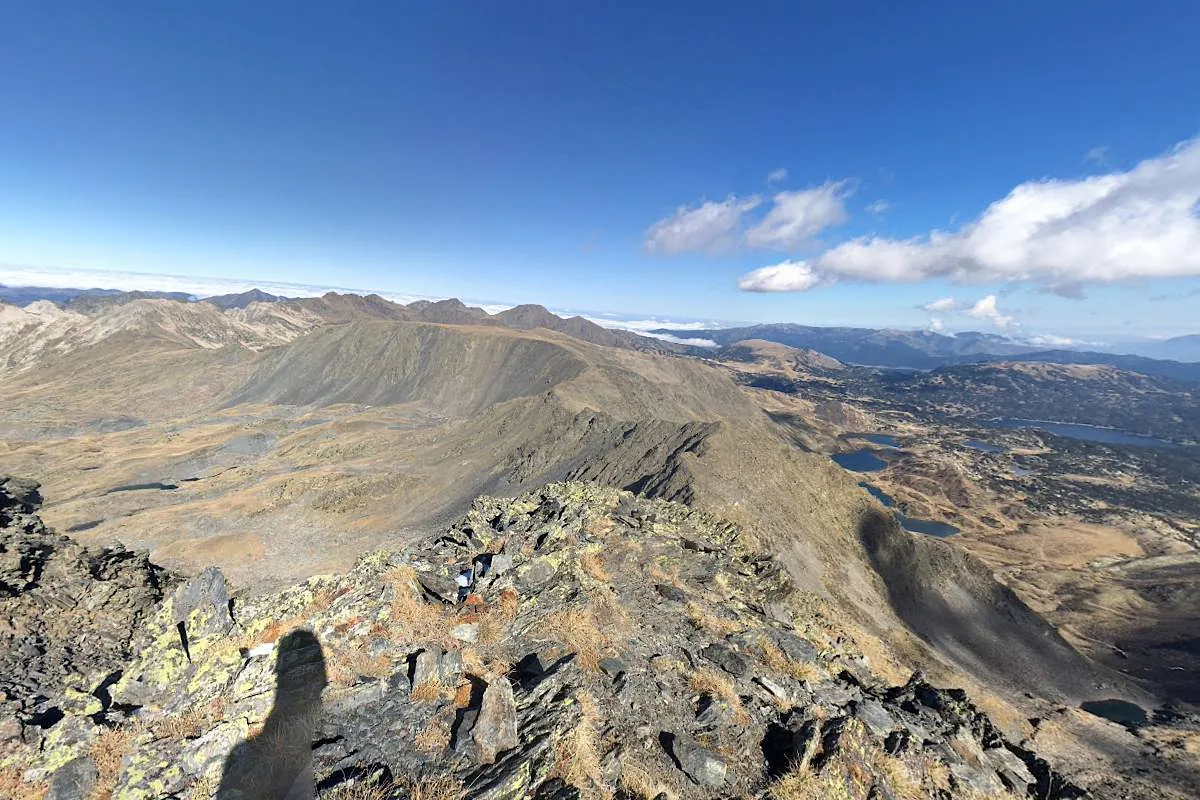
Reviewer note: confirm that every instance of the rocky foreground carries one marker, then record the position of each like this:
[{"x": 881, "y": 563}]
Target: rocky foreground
[{"x": 610, "y": 646}]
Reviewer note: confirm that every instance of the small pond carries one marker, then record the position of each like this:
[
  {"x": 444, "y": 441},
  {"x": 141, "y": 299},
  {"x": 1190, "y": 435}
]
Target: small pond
[
  {"x": 928, "y": 527},
  {"x": 986, "y": 447},
  {"x": 879, "y": 494},
  {"x": 860, "y": 461},
  {"x": 137, "y": 487},
  {"x": 1119, "y": 711},
  {"x": 1087, "y": 433}
]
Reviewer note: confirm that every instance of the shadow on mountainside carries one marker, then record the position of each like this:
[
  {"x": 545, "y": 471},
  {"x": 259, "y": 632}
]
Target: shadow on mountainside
[
  {"x": 276, "y": 763},
  {"x": 951, "y": 600}
]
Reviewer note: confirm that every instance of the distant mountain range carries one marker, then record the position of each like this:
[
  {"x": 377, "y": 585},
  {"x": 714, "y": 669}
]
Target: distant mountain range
[
  {"x": 923, "y": 350},
  {"x": 24, "y": 295},
  {"x": 1177, "y": 358}
]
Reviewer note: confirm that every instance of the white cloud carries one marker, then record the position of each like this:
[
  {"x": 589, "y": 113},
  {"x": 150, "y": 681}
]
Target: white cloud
[
  {"x": 943, "y": 304},
  {"x": 642, "y": 325},
  {"x": 1050, "y": 340},
  {"x": 797, "y": 216},
  {"x": 666, "y": 337},
  {"x": 777, "y": 175},
  {"x": 879, "y": 207},
  {"x": 708, "y": 227},
  {"x": 985, "y": 309},
  {"x": 1056, "y": 234},
  {"x": 1097, "y": 155},
  {"x": 786, "y": 276}
]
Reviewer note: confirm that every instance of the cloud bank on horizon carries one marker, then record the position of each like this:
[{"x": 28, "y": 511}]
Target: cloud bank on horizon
[{"x": 1057, "y": 235}]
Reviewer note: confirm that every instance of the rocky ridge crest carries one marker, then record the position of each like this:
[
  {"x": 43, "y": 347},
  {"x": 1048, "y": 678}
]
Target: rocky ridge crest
[{"x": 610, "y": 646}]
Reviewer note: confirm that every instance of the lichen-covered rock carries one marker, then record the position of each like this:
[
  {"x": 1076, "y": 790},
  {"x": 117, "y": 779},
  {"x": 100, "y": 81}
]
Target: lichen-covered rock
[
  {"x": 496, "y": 726},
  {"x": 68, "y": 615},
  {"x": 700, "y": 764},
  {"x": 608, "y": 641}
]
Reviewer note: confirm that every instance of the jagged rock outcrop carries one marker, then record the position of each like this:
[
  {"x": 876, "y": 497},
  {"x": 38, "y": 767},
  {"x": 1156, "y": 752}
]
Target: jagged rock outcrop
[
  {"x": 68, "y": 614},
  {"x": 607, "y": 646}
]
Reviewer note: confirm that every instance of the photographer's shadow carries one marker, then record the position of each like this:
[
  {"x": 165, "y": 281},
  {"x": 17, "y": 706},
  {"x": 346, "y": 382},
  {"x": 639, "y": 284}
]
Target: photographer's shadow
[{"x": 276, "y": 763}]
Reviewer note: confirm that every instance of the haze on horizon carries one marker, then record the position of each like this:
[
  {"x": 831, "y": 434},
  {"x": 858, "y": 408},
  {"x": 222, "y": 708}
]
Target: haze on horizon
[{"x": 1031, "y": 171}]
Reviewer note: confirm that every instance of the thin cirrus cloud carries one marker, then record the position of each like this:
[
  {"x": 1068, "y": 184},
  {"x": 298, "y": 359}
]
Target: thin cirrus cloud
[
  {"x": 777, "y": 175},
  {"x": 793, "y": 220},
  {"x": 1059, "y": 235}
]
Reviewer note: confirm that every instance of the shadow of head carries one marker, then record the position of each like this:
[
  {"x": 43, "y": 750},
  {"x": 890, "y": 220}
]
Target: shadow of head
[
  {"x": 276, "y": 762},
  {"x": 300, "y": 674}
]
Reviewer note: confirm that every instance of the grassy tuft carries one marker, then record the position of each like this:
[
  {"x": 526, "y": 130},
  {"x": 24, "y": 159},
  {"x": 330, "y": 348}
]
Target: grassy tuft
[
  {"x": 13, "y": 786},
  {"x": 706, "y": 620},
  {"x": 577, "y": 755},
  {"x": 190, "y": 724},
  {"x": 108, "y": 751},
  {"x": 714, "y": 684},
  {"x": 413, "y": 619}
]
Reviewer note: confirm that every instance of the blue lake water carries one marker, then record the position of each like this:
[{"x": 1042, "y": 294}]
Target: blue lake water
[
  {"x": 926, "y": 526},
  {"x": 1120, "y": 711},
  {"x": 879, "y": 494},
  {"x": 1087, "y": 433},
  {"x": 860, "y": 461},
  {"x": 911, "y": 524},
  {"x": 986, "y": 447}
]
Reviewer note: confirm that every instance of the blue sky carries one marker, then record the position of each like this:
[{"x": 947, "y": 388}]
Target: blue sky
[{"x": 616, "y": 157}]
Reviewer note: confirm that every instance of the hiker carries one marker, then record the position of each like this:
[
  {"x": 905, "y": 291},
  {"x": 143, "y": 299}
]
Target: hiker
[{"x": 465, "y": 579}]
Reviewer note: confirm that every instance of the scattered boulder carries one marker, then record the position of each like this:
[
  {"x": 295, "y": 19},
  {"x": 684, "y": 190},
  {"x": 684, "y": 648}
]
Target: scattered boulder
[
  {"x": 700, "y": 764},
  {"x": 496, "y": 727}
]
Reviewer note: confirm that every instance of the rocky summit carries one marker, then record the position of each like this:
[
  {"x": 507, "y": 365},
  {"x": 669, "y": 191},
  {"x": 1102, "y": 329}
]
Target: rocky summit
[{"x": 573, "y": 642}]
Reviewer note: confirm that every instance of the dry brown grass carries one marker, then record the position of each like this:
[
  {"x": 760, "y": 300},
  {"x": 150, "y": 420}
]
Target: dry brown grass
[
  {"x": 580, "y": 633},
  {"x": 204, "y": 788},
  {"x": 495, "y": 620},
  {"x": 485, "y": 664},
  {"x": 413, "y": 619},
  {"x": 577, "y": 755},
  {"x": 108, "y": 750},
  {"x": 592, "y": 632},
  {"x": 706, "y": 619},
  {"x": 593, "y": 565},
  {"x": 638, "y": 782},
  {"x": 436, "y": 787},
  {"x": 359, "y": 790},
  {"x": 190, "y": 724},
  {"x": 860, "y": 768},
  {"x": 434, "y": 737},
  {"x": 12, "y": 787},
  {"x": 777, "y": 661},
  {"x": 714, "y": 684},
  {"x": 347, "y": 664},
  {"x": 431, "y": 690},
  {"x": 880, "y": 657}
]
